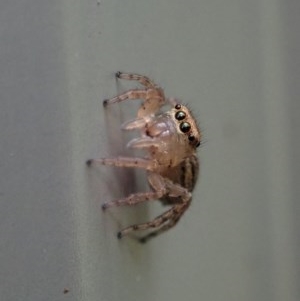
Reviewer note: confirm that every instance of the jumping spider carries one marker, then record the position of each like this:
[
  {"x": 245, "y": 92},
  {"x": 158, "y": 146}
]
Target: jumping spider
[{"x": 170, "y": 140}]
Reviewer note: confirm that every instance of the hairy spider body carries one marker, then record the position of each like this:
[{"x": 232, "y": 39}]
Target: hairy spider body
[{"x": 170, "y": 140}]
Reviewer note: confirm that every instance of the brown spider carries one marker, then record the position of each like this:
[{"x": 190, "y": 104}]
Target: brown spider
[{"x": 170, "y": 139}]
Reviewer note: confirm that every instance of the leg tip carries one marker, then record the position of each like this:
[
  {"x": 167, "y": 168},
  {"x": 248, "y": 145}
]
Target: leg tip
[
  {"x": 119, "y": 235},
  {"x": 118, "y": 74},
  {"x": 104, "y": 206},
  {"x": 89, "y": 162},
  {"x": 142, "y": 240},
  {"x": 105, "y": 102}
]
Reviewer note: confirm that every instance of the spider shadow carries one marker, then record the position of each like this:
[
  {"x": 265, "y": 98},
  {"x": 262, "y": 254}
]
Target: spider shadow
[{"x": 124, "y": 181}]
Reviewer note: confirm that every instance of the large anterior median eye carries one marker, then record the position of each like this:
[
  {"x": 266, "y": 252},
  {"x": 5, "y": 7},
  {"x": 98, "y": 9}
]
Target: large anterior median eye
[{"x": 185, "y": 127}]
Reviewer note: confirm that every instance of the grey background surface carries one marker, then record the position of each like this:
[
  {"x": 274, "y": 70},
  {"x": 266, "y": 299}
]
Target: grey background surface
[{"x": 235, "y": 62}]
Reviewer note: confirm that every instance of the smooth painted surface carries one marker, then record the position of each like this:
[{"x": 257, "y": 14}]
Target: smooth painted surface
[{"x": 235, "y": 63}]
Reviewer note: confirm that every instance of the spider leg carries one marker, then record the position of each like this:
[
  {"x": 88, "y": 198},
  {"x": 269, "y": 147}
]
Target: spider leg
[
  {"x": 152, "y": 95},
  {"x": 159, "y": 190},
  {"x": 167, "y": 219},
  {"x": 131, "y": 94},
  {"x": 144, "y": 80},
  {"x": 158, "y": 221},
  {"x": 124, "y": 162},
  {"x": 161, "y": 223},
  {"x": 133, "y": 199},
  {"x": 154, "y": 99},
  {"x": 162, "y": 229}
]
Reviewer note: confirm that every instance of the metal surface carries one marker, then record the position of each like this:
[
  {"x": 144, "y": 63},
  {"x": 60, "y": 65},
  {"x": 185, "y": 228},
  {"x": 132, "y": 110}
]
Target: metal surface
[{"x": 236, "y": 64}]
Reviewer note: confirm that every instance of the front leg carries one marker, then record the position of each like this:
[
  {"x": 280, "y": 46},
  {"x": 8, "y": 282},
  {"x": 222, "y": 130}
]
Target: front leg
[
  {"x": 153, "y": 96},
  {"x": 131, "y": 94},
  {"x": 144, "y": 80},
  {"x": 153, "y": 100}
]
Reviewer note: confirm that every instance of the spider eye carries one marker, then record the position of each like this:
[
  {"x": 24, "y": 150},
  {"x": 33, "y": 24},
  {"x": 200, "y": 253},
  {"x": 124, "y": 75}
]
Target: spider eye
[
  {"x": 185, "y": 127},
  {"x": 178, "y": 106},
  {"x": 180, "y": 115},
  {"x": 191, "y": 137}
]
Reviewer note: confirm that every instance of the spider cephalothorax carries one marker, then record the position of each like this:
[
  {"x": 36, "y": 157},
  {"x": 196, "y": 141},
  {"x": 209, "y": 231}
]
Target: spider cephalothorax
[{"x": 170, "y": 140}]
